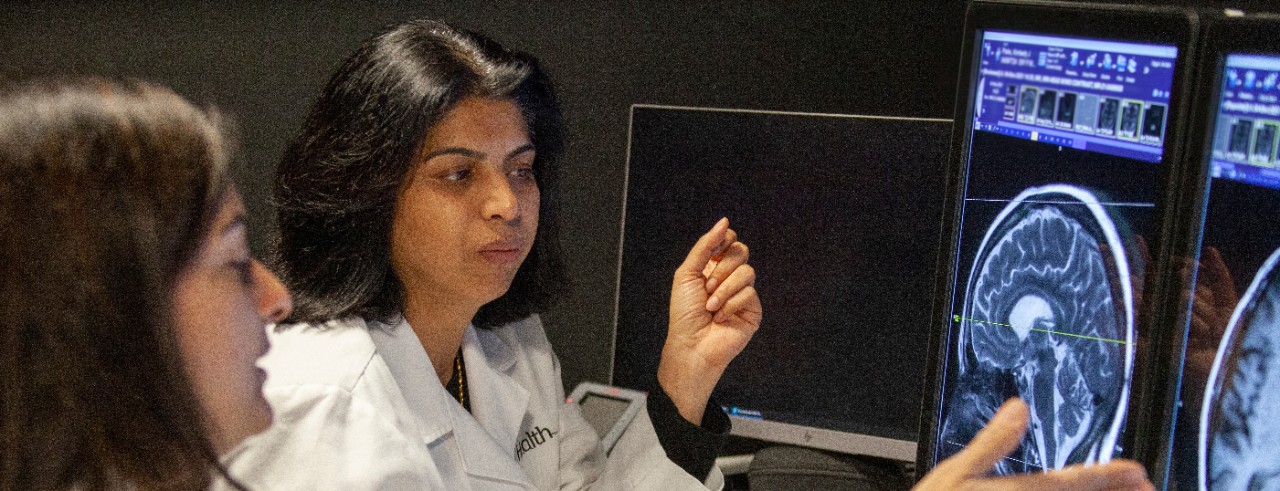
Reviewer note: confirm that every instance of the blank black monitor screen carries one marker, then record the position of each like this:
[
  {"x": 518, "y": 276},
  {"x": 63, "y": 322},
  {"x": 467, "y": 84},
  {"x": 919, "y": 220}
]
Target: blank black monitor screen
[
  {"x": 841, "y": 215},
  {"x": 1058, "y": 203},
  {"x": 1227, "y": 429}
]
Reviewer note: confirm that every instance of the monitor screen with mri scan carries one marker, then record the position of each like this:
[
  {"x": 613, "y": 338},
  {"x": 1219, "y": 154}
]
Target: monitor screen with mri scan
[
  {"x": 1224, "y": 434},
  {"x": 1058, "y": 210}
]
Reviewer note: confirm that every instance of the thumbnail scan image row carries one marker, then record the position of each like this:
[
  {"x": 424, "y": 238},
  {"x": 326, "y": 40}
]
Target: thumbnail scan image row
[
  {"x": 1247, "y": 141},
  {"x": 1090, "y": 114}
]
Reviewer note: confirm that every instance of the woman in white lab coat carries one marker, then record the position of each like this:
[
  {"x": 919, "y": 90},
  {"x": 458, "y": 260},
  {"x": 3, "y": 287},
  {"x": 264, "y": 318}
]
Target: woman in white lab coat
[
  {"x": 417, "y": 214},
  {"x": 417, "y": 230}
]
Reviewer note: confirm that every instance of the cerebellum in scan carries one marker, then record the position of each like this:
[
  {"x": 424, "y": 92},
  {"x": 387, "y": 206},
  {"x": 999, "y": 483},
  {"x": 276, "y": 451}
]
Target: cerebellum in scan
[
  {"x": 1048, "y": 316},
  {"x": 1240, "y": 418}
]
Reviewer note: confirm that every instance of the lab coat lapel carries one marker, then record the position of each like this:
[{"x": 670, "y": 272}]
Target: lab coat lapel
[
  {"x": 441, "y": 420},
  {"x": 408, "y": 362},
  {"x": 482, "y": 457},
  {"x": 498, "y": 404},
  {"x": 498, "y": 401}
]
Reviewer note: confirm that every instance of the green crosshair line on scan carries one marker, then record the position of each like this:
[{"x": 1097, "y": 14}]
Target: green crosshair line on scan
[{"x": 957, "y": 318}]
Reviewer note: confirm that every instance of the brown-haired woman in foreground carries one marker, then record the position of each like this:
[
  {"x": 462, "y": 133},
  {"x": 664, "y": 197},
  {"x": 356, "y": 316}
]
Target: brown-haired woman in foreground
[{"x": 131, "y": 311}]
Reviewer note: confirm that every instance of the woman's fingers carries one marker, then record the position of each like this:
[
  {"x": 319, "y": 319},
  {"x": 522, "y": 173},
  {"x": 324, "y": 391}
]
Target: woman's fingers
[
  {"x": 968, "y": 469},
  {"x": 1001, "y": 435},
  {"x": 707, "y": 246},
  {"x": 720, "y": 301},
  {"x": 733, "y": 255},
  {"x": 730, "y": 236},
  {"x": 1115, "y": 475}
]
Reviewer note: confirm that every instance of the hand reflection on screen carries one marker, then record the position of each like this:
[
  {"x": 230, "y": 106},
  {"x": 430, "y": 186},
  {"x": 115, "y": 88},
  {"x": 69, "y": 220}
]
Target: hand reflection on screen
[
  {"x": 1209, "y": 289},
  {"x": 1215, "y": 298}
]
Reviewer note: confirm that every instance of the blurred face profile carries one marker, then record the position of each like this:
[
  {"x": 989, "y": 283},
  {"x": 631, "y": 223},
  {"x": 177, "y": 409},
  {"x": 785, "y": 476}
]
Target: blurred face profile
[
  {"x": 467, "y": 214},
  {"x": 222, "y": 300}
]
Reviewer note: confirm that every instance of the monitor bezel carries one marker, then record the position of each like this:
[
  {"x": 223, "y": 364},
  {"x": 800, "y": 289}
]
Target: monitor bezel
[
  {"x": 1225, "y": 33},
  {"x": 1124, "y": 23}
]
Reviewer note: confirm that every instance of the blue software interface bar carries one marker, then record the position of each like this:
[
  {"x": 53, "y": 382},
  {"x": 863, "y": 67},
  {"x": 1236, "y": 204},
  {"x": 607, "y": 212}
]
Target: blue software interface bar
[
  {"x": 1096, "y": 95},
  {"x": 1248, "y": 123}
]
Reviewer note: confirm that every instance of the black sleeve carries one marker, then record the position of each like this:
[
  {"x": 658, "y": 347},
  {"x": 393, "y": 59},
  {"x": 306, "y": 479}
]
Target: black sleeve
[{"x": 694, "y": 448}]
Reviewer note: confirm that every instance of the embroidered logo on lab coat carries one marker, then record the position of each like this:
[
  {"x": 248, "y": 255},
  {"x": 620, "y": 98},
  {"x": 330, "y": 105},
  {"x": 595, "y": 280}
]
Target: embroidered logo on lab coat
[{"x": 532, "y": 439}]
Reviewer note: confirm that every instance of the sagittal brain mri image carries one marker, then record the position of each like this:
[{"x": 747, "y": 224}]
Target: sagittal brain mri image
[
  {"x": 1129, "y": 119},
  {"x": 1239, "y": 143},
  {"x": 1239, "y": 434},
  {"x": 1048, "y": 100},
  {"x": 1047, "y": 316},
  {"x": 1027, "y": 103},
  {"x": 1153, "y": 121},
  {"x": 1263, "y": 142},
  {"x": 1107, "y": 112}
]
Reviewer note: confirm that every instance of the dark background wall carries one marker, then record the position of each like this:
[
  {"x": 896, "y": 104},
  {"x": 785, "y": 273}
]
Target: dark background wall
[{"x": 263, "y": 63}]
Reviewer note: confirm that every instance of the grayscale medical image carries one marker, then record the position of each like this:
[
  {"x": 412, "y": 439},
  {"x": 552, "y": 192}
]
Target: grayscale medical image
[
  {"x": 1048, "y": 316},
  {"x": 1129, "y": 115},
  {"x": 1107, "y": 115},
  {"x": 1027, "y": 105},
  {"x": 1264, "y": 143},
  {"x": 1239, "y": 434},
  {"x": 1239, "y": 143}
]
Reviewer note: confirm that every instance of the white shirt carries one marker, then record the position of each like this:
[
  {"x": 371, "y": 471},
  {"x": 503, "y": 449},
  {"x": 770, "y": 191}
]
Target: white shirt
[{"x": 360, "y": 407}]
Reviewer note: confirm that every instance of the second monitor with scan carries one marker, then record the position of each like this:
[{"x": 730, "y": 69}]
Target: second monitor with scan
[{"x": 1220, "y": 429}]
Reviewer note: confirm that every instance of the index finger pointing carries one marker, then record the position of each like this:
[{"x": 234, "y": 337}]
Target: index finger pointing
[
  {"x": 1118, "y": 474},
  {"x": 1001, "y": 435}
]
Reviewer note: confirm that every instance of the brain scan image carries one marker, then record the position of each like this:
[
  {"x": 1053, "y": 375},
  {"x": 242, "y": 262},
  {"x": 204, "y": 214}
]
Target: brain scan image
[
  {"x": 1107, "y": 115},
  {"x": 1239, "y": 143},
  {"x": 1048, "y": 316},
  {"x": 1239, "y": 434},
  {"x": 1129, "y": 119},
  {"x": 1048, "y": 100},
  {"x": 1027, "y": 104}
]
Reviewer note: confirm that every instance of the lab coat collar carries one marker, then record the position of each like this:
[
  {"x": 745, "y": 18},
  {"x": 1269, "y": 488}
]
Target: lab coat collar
[
  {"x": 498, "y": 355},
  {"x": 478, "y": 450},
  {"x": 336, "y": 352},
  {"x": 411, "y": 368},
  {"x": 498, "y": 402}
]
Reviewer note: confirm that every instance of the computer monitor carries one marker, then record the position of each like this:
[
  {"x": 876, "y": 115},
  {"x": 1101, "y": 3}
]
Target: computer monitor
[
  {"x": 1225, "y": 434},
  {"x": 840, "y": 214},
  {"x": 1064, "y": 151}
]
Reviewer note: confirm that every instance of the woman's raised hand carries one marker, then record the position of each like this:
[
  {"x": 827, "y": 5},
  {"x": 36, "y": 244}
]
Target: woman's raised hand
[{"x": 714, "y": 312}]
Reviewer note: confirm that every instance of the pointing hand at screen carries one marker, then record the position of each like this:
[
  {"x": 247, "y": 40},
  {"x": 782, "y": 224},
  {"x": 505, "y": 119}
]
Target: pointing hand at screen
[{"x": 968, "y": 469}]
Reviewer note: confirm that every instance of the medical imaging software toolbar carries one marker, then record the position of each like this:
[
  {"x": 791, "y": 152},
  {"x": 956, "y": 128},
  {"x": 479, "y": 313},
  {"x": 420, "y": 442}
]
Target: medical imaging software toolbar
[
  {"x": 1244, "y": 144},
  {"x": 1101, "y": 96}
]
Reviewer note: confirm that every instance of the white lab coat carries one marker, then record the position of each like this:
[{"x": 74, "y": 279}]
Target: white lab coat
[{"x": 360, "y": 407}]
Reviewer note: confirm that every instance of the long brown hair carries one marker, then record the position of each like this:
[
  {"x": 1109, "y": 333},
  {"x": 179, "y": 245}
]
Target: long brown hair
[{"x": 106, "y": 190}]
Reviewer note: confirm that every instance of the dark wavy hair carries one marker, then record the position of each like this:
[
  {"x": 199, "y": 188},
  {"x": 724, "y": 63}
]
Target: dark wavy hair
[
  {"x": 106, "y": 191},
  {"x": 337, "y": 185}
]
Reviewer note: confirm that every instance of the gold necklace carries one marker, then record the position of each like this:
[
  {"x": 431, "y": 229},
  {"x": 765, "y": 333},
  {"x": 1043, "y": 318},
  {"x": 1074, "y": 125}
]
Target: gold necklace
[{"x": 462, "y": 380}]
